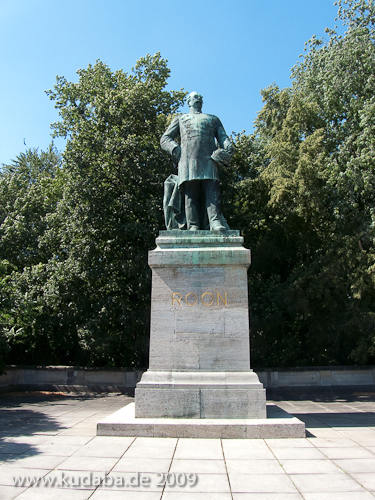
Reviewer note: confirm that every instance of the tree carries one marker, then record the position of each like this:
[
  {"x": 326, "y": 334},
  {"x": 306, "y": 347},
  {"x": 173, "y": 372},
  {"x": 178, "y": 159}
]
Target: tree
[
  {"x": 339, "y": 76},
  {"x": 75, "y": 230},
  {"x": 312, "y": 277},
  {"x": 112, "y": 202},
  {"x": 30, "y": 189}
]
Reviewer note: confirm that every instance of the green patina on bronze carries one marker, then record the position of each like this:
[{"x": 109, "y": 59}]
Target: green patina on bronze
[{"x": 192, "y": 198}]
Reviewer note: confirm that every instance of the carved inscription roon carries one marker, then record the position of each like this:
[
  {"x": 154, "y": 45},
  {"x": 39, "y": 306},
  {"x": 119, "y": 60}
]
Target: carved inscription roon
[{"x": 192, "y": 299}]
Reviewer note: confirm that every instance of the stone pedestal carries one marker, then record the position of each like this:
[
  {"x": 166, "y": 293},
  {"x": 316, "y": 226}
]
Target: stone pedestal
[
  {"x": 199, "y": 343},
  {"x": 199, "y": 383}
]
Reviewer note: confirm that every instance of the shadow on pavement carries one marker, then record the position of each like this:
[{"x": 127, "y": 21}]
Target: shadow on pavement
[
  {"x": 337, "y": 420},
  {"x": 17, "y": 425},
  {"x": 322, "y": 394},
  {"x": 22, "y": 416}
]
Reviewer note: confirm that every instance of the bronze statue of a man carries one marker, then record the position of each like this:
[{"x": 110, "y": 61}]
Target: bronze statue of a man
[{"x": 198, "y": 163}]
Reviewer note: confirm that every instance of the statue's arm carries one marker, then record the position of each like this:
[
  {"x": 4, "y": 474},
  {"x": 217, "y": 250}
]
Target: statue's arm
[
  {"x": 222, "y": 156},
  {"x": 168, "y": 142},
  {"x": 222, "y": 138}
]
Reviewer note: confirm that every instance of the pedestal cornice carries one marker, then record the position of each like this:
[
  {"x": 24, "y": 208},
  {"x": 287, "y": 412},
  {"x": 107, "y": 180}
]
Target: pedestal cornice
[{"x": 199, "y": 249}]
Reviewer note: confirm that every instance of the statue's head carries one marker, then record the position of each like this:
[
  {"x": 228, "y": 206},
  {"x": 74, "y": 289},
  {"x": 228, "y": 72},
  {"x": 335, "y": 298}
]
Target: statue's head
[{"x": 195, "y": 100}]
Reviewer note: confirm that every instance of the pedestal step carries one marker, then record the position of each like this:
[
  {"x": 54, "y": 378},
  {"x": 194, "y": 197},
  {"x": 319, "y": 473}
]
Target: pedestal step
[
  {"x": 185, "y": 394},
  {"x": 278, "y": 424}
]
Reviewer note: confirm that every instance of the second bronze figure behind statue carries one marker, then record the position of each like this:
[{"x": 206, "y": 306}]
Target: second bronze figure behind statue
[{"x": 192, "y": 198}]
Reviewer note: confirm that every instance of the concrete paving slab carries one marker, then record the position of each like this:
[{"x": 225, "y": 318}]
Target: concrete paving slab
[
  {"x": 25, "y": 439},
  {"x": 353, "y": 495},
  {"x": 10, "y": 492},
  {"x": 128, "y": 495},
  {"x": 366, "y": 479},
  {"x": 333, "y": 442},
  {"x": 186, "y": 495},
  {"x": 254, "y": 467},
  {"x": 267, "y": 496},
  {"x": 45, "y": 494},
  {"x": 158, "y": 442},
  {"x": 146, "y": 465},
  {"x": 358, "y": 452},
  {"x": 10, "y": 476},
  {"x": 151, "y": 451},
  {"x": 14, "y": 448},
  {"x": 243, "y": 452},
  {"x": 36, "y": 461},
  {"x": 261, "y": 483},
  {"x": 322, "y": 432},
  {"x": 322, "y": 483},
  {"x": 56, "y": 449},
  {"x": 353, "y": 465},
  {"x": 358, "y": 432},
  {"x": 198, "y": 466},
  {"x": 207, "y": 483},
  {"x": 78, "y": 432},
  {"x": 363, "y": 441},
  {"x": 314, "y": 423},
  {"x": 298, "y": 454},
  {"x": 235, "y": 444},
  {"x": 90, "y": 426},
  {"x": 105, "y": 447},
  {"x": 199, "y": 449},
  {"x": 87, "y": 463},
  {"x": 42, "y": 431},
  {"x": 310, "y": 467},
  {"x": 64, "y": 440},
  {"x": 288, "y": 443}
]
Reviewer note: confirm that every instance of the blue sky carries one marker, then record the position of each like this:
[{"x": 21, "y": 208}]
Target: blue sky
[{"x": 226, "y": 50}]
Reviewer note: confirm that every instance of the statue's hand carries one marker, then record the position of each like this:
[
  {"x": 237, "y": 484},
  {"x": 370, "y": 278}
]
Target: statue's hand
[
  {"x": 176, "y": 153},
  {"x": 221, "y": 156},
  {"x": 228, "y": 146}
]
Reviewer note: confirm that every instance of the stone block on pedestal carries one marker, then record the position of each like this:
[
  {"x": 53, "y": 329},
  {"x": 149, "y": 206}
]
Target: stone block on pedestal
[{"x": 199, "y": 340}]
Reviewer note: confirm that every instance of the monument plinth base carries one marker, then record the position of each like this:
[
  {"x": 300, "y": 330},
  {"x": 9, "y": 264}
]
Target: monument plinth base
[
  {"x": 199, "y": 343},
  {"x": 200, "y": 394},
  {"x": 199, "y": 382},
  {"x": 278, "y": 424}
]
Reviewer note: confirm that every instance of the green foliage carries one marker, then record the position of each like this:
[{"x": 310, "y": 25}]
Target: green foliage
[
  {"x": 76, "y": 230},
  {"x": 112, "y": 202},
  {"x": 312, "y": 278},
  {"x": 30, "y": 190},
  {"x": 4, "y": 306}
]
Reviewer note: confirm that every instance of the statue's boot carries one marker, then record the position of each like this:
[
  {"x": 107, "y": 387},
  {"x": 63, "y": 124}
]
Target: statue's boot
[
  {"x": 213, "y": 203},
  {"x": 192, "y": 201},
  {"x": 217, "y": 226}
]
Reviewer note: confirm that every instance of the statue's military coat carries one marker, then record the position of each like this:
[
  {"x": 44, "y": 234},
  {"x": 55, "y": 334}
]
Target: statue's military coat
[{"x": 198, "y": 132}]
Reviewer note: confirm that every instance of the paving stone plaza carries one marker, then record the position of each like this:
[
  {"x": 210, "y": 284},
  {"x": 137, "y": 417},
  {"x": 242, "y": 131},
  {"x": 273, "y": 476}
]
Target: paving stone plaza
[{"x": 49, "y": 449}]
